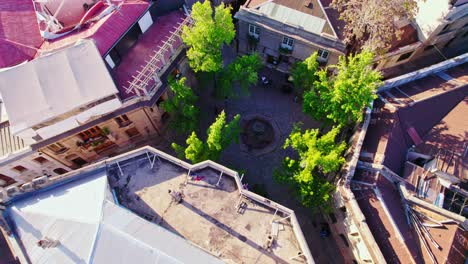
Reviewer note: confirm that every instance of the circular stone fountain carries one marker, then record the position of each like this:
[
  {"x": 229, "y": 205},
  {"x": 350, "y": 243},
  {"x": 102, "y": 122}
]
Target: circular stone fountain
[{"x": 259, "y": 134}]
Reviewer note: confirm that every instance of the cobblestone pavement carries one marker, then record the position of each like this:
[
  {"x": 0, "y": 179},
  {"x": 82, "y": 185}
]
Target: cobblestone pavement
[{"x": 285, "y": 111}]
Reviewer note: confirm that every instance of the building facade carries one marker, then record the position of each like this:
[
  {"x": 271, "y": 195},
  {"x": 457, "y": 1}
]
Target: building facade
[
  {"x": 438, "y": 31},
  {"x": 135, "y": 53},
  {"x": 403, "y": 194},
  {"x": 284, "y": 32}
]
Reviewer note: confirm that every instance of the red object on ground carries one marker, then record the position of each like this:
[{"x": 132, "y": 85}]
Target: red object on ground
[{"x": 199, "y": 178}]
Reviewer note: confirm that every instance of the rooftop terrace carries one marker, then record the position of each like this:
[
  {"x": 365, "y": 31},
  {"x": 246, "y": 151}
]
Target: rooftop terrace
[
  {"x": 407, "y": 228},
  {"x": 216, "y": 214},
  {"x": 213, "y": 213},
  {"x": 135, "y": 67}
]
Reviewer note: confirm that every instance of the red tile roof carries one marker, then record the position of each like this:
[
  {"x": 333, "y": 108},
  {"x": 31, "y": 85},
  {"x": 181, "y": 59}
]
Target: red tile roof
[
  {"x": 20, "y": 38},
  {"x": 106, "y": 31},
  {"x": 19, "y": 32},
  {"x": 137, "y": 57},
  {"x": 382, "y": 228},
  {"x": 434, "y": 100}
]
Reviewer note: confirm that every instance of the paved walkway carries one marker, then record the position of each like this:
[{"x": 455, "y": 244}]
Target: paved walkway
[
  {"x": 285, "y": 111},
  {"x": 272, "y": 102}
]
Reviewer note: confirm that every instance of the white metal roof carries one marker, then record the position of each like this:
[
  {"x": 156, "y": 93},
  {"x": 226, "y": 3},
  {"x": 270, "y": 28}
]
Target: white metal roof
[
  {"x": 91, "y": 228},
  {"x": 50, "y": 86},
  {"x": 293, "y": 17}
]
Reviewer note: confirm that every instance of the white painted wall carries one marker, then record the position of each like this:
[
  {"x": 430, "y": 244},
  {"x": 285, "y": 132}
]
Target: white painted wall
[
  {"x": 109, "y": 61},
  {"x": 145, "y": 22}
]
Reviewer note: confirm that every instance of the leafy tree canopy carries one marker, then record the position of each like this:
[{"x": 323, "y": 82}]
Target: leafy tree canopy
[
  {"x": 219, "y": 136},
  {"x": 303, "y": 72},
  {"x": 340, "y": 98},
  {"x": 207, "y": 35},
  {"x": 181, "y": 106},
  {"x": 371, "y": 23},
  {"x": 317, "y": 156},
  {"x": 243, "y": 71}
]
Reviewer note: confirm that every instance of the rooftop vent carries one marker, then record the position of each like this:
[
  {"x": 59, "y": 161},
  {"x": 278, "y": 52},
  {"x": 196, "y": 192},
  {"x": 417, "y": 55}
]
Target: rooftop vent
[
  {"x": 308, "y": 4},
  {"x": 48, "y": 243}
]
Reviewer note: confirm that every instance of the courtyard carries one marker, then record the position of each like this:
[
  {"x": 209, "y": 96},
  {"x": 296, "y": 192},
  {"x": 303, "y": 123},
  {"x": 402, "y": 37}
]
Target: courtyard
[{"x": 283, "y": 110}]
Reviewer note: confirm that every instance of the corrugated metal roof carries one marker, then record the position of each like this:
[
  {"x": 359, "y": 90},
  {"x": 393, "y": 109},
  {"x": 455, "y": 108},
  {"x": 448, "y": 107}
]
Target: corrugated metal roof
[
  {"x": 91, "y": 228},
  {"x": 55, "y": 85},
  {"x": 293, "y": 17}
]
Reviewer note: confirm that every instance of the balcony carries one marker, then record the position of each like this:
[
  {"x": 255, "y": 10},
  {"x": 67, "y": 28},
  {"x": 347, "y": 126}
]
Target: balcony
[{"x": 285, "y": 50}]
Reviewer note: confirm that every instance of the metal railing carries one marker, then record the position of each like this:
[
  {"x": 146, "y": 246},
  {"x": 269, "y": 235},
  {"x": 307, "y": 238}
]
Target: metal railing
[
  {"x": 415, "y": 75},
  {"x": 151, "y": 71}
]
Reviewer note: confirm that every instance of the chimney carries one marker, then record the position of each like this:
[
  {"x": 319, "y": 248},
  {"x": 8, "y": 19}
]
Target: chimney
[{"x": 308, "y": 4}]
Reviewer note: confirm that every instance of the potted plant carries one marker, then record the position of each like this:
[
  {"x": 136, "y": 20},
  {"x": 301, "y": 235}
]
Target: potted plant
[{"x": 105, "y": 131}]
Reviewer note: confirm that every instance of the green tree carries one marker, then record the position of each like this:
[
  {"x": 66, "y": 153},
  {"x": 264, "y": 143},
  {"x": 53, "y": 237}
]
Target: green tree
[
  {"x": 242, "y": 71},
  {"x": 340, "y": 98},
  {"x": 207, "y": 35},
  {"x": 317, "y": 156},
  {"x": 219, "y": 136},
  {"x": 303, "y": 72},
  {"x": 181, "y": 106}
]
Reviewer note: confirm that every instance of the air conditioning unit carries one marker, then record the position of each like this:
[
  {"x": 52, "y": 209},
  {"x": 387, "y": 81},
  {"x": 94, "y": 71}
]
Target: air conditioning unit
[
  {"x": 27, "y": 187},
  {"x": 12, "y": 190},
  {"x": 40, "y": 181}
]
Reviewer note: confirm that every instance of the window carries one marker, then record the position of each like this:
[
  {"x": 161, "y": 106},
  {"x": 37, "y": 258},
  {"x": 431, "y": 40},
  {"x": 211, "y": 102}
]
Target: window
[
  {"x": 76, "y": 160},
  {"x": 6, "y": 180},
  {"x": 405, "y": 56},
  {"x": 60, "y": 171},
  {"x": 41, "y": 160},
  {"x": 123, "y": 120},
  {"x": 287, "y": 43},
  {"x": 132, "y": 132},
  {"x": 19, "y": 169},
  {"x": 254, "y": 30},
  {"x": 90, "y": 133},
  {"x": 57, "y": 148},
  {"x": 323, "y": 54}
]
